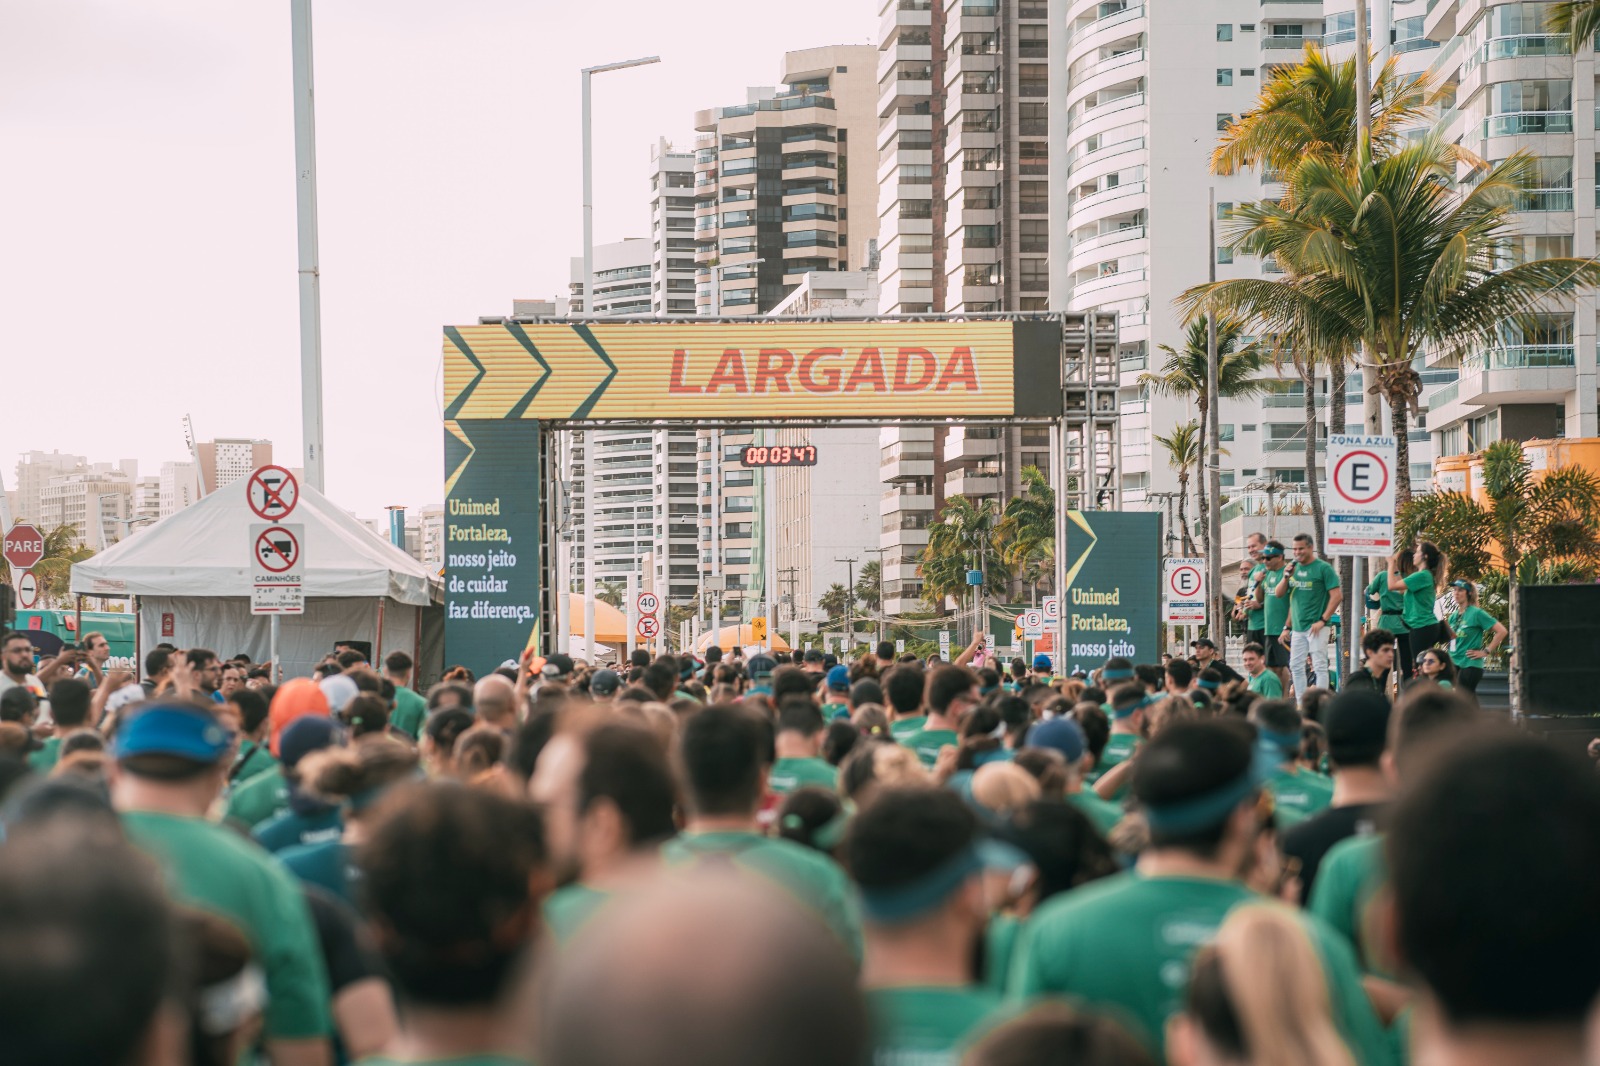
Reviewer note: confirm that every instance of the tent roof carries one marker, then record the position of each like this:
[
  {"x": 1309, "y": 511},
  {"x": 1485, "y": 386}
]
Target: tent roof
[{"x": 204, "y": 550}]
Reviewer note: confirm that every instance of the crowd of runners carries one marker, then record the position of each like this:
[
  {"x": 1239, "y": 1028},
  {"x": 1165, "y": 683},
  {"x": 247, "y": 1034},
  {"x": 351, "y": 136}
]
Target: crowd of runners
[{"x": 761, "y": 858}]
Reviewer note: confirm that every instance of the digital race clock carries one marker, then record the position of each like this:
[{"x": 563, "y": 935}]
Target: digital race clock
[{"x": 778, "y": 455}]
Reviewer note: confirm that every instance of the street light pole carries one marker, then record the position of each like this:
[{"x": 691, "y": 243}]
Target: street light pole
[
  {"x": 305, "y": 167},
  {"x": 883, "y": 615},
  {"x": 588, "y": 312}
]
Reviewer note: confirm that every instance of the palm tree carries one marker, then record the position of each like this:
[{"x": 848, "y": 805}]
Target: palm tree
[
  {"x": 962, "y": 539},
  {"x": 1308, "y": 110},
  {"x": 1183, "y": 453},
  {"x": 835, "y": 602},
  {"x": 1185, "y": 374},
  {"x": 54, "y": 571},
  {"x": 867, "y": 582},
  {"x": 1391, "y": 253},
  {"x": 1578, "y": 19},
  {"x": 1027, "y": 528},
  {"x": 609, "y": 592},
  {"x": 1537, "y": 527}
]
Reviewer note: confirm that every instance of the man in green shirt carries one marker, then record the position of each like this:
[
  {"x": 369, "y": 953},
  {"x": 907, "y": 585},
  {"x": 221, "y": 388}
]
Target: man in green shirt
[
  {"x": 1126, "y": 710},
  {"x": 608, "y": 800},
  {"x": 903, "y": 688},
  {"x": 70, "y": 702},
  {"x": 723, "y": 752},
  {"x": 1262, "y": 681},
  {"x": 1274, "y": 610},
  {"x": 1252, "y": 613},
  {"x": 1124, "y": 945},
  {"x": 170, "y": 764},
  {"x": 1312, "y": 588},
  {"x": 800, "y": 728},
  {"x": 952, "y": 692},
  {"x": 1352, "y": 873},
  {"x": 836, "y": 693},
  {"x": 1297, "y": 794},
  {"x": 409, "y": 707},
  {"x": 914, "y": 854}
]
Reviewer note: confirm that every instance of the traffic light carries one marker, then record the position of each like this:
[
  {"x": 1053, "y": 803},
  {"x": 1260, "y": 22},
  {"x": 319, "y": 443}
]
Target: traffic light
[{"x": 758, "y": 629}]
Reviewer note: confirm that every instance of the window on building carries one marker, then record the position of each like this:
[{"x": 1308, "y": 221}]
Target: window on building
[
  {"x": 1247, "y": 72},
  {"x": 1035, "y": 235},
  {"x": 1034, "y": 197},
  {"x": 1247, "y": 27},
  {"x": 1225, "y": 431},
  {"x": 1035, "y": 275},
  {"x": 1224, "y": 31},
  {"x": 1224, "y": 255},
  {"x": 1224, "y": 75},
  {"x": 1224, "y": 121},
  {"x": 1224, "y": 209}
]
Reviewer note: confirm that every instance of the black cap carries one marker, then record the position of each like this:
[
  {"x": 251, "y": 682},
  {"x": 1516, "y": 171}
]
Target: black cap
[
  {"x": 1204, "y": 642},
  {"x": 1357, "y": 723},
  {"x": 557, "y": 665},
  {"x": 813, "y": 655}
]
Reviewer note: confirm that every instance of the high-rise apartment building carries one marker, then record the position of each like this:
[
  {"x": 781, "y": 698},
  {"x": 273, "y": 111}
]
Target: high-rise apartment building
[
  {"x": 99, "y": 491},
  {"x": 671, "y": 230},
  {"x": 34, "y": 471},
  {"x": 964, "y": 169},
  {"x": 622, "y": 272},
  {"x": 1512, "y": 85},
  {"x": 224, "y": 461},
  {"x": 784, "y": 181},
  {"x": 179, "y": 486}
]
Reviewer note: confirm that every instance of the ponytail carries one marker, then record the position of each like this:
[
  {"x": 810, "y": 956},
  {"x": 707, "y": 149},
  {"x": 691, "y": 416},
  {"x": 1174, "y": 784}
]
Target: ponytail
[{"x": 1259, "y": 994}]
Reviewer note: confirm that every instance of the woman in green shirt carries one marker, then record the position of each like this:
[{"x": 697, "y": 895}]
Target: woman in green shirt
[
  {"x": 1472, "y": 624},
  {"x": 1421, "y": 588},
  {"x": 1389, "y": 603}
]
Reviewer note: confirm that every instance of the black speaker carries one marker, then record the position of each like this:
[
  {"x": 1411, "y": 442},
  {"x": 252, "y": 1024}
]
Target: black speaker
[{"x": 1559, "y": 641}]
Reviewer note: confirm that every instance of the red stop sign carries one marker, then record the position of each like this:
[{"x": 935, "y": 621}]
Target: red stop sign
[{"x": 24, "y": 546}]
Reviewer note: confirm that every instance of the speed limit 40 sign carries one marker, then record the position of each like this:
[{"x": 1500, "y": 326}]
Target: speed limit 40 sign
[{"x": 1183, "y": 592}]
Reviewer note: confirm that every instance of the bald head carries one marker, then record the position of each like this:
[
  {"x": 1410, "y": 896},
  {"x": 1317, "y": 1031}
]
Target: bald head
[
  {"x": 710, "y": 971},
  {"x": 495, "y": 700}
]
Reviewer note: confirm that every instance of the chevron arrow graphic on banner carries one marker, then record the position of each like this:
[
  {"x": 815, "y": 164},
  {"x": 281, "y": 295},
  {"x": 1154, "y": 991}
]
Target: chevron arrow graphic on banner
[{"x": 500, "y": 371}]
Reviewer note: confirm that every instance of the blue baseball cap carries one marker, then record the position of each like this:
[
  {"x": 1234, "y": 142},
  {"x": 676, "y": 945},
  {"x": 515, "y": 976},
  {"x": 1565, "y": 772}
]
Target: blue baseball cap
[
  {"x": 839, "y": 678},
  {"x": 761, "y": 666},
  {"x": 306, "y": 735},
  {"x": 1042, "y": 662},
  {"x": 183, "y": 732},
  {"x": 1060, "y": 734}
]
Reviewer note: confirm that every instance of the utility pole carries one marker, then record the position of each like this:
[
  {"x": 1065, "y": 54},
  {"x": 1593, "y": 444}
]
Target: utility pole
[
  {"x": 850, "y": 600},
  {"x": 1213, "y": 473},
  {"x": 883, "y": 617},
  {"x": 790, "y": 576}
]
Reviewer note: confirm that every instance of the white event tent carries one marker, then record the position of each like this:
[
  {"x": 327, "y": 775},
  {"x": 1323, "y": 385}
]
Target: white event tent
[{"x": 191, "y": 575}]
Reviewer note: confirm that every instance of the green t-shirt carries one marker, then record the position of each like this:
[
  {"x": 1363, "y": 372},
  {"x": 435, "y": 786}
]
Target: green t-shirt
[
  {"x": 1310, "y": 586},
  {"x": 832, "y": 710},
  {"x": 1391, "y": 603},
  {"x": 1419, "y": 594},
  {"x": 926, "y": 1025},
  {"x": 258, "y": 799},
  {"x": 901, "y": 728},
  {"x": 1277, "y": 607},
  {"x": 1124, "y": 944},
  {"x": 1118, "y": 747},
  {"x": 1470, "y": 626},
  {"x": 790, "y": 774},
  {"x": 567, "y": 908},
  {"x": 1266, "y": 684},
  {"x": 999, "y": 946},
  {"x": 927, "y": 742},
  {"x": 219, "y": 871},
  {"x": 1103, "y": 813},
  {"x": 409, "y": 711},
  {"x": 253, "y": 759},
  {"x": 1298, "y": 794},
  {"x": 809, "y": 876},
  {"x": 44, "y": 760},
  {"x": 1257, "y": 618},
  {"x": 1348, "y": 879}
]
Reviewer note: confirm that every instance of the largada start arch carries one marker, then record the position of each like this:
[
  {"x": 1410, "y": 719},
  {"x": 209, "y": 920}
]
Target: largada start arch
[{"x": 509, "y": 383}]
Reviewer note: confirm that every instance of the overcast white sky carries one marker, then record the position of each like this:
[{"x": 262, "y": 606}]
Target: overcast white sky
[{"x": 147, "y": 215}]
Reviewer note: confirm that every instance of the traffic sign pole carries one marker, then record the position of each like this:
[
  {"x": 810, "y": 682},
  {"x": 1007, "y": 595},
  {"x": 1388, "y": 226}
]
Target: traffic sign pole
[{"x": 633, "y": 584}]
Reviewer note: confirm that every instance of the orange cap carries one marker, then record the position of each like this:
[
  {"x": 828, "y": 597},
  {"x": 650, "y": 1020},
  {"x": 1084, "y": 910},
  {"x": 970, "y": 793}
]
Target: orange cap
[{"x": 298, "y": 698}]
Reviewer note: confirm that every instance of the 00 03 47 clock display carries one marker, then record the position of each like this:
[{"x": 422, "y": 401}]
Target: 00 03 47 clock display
[{"x": 778, "y": 455}]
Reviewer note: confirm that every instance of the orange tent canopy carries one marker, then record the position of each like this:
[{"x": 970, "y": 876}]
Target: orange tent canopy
[{"x": 740, "y": 636}]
